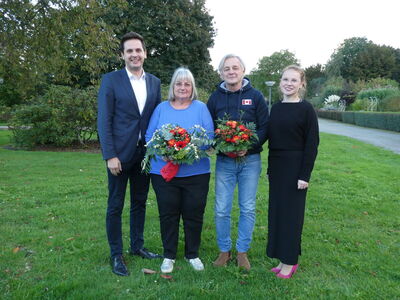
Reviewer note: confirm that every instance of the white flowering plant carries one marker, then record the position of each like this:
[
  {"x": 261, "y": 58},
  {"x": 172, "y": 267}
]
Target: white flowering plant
[
  {"x": 333, "y": 102},
  {"x": 176, "y": 145}
]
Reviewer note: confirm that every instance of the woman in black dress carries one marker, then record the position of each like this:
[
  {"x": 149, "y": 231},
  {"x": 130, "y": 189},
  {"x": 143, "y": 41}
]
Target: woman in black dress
[{"x": 293, "y": 143}]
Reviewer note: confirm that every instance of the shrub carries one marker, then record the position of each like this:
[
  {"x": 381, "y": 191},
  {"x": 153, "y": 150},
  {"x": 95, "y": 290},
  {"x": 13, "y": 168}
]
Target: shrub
[
  {"x": 374, "y": 83},
  {"x": 388, "y": 98},
  {"x": 359, "y": 104},
  {"x": 331, "y": 90},
  {"x": 348, "y": 96},
  {"x": 5, "y": 113},
  {"x": 379, "y": 93},
  {"x": 390, "y": 103},
  {"x": 317, "y": 102},
  {"x": 61, "y": 117}
]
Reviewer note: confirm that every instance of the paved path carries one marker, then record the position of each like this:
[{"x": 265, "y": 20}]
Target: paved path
[{"x": 382, "y": 138}]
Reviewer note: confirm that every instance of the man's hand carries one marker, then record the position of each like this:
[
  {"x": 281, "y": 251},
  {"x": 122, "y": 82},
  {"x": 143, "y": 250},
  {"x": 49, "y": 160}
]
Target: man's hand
[
  {"x": 114, "y": 165},
  {"x": 301, "y": 184},
  {"x": 241, "y": 153}
]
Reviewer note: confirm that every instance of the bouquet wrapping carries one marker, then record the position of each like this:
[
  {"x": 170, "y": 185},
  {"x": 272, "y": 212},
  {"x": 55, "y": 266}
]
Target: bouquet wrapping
[{"x": 176, "y": 146}]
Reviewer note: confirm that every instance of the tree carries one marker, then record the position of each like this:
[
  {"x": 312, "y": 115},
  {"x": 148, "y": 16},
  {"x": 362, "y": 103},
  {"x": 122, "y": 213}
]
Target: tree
[
  {"x": 73, "y": 42},
  {"x": 343, "y": 57},
  {"x": 361, "y": 59},
  {"x": 372, "y": 62},
  {"x": 396, "y": 72},
  {"x": 52, "y": 42},
  {"x": 177, "y": 33},
  {"x": 269, "y": 68},
  {"x": 316, "y": 77}
]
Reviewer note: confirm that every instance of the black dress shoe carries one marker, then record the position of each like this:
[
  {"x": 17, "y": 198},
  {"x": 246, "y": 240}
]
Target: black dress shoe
[
  {"x": 144, "y": 253},
  {"x": 118, "y": 266}
]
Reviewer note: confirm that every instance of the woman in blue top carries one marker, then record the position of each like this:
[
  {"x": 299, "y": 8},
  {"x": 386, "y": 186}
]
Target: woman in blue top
[{"x": 186, "y": 194}]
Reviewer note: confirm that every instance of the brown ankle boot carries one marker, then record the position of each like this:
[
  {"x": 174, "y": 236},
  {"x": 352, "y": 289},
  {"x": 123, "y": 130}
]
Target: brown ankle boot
[
  {"x": 243, "y": 261},
  {"x": 223, "y": 259}
]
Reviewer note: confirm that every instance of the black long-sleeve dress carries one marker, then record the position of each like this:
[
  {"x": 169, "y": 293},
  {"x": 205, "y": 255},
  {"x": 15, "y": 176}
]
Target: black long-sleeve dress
[{"x": 293, "y": 142}]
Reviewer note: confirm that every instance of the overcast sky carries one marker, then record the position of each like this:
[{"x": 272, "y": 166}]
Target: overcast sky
[{"x": 311, "y": 29}]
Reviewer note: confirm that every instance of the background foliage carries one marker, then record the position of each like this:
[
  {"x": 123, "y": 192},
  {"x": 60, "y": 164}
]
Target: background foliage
[
  {"x": 61, "y": 117},
  {"x": 356, "y": 65},
  {"x": 73, "y": 43}
]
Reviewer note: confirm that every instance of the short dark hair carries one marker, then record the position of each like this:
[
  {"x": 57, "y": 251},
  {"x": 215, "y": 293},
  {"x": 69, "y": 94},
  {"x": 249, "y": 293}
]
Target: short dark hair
[{"x": 130, "y": 36}]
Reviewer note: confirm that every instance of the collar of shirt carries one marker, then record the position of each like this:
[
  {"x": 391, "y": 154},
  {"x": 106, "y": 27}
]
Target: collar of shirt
[{"x": 133, "y": 77}]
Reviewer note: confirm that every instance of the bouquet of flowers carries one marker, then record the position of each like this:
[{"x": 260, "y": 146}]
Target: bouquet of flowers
[
  {"x": 234, "y": 136},
  {"x": 177, "y": 146}
]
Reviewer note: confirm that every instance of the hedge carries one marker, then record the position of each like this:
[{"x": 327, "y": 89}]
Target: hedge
[{"x": 379, "y": 120}]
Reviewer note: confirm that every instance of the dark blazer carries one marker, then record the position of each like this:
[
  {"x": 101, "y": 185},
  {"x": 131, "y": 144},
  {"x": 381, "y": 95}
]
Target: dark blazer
[{"x": 119, "y": 121}]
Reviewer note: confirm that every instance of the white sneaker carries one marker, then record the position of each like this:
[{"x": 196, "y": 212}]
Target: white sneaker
[
  {"x": 168, "y": 265},
  {"x": 196, "y": 264}
]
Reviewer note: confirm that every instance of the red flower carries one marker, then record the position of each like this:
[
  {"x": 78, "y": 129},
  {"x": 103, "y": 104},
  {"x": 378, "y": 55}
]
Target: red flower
[
  {"x": 181, "y": 144},
  {"x": 242, "y": 128}
]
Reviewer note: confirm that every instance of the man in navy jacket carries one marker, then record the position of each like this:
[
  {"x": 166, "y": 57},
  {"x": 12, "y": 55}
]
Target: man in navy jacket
[
  {"x": 236, "y": 98},
  {"x": 126, "y": 101}
]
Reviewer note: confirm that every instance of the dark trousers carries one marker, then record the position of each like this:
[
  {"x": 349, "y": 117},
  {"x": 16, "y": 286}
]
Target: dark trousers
[
  {"x": 186, "y": 197},
  {"x": 139, "y": 187}
]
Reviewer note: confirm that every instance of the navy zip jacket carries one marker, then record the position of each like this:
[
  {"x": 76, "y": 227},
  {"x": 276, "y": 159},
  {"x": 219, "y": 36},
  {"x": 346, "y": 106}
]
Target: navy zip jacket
[{"x": 246, "y": 104}]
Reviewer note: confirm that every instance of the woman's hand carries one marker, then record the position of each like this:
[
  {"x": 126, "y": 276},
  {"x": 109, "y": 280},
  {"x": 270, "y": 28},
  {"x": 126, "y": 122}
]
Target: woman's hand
[{"x": 301, "y": 184}]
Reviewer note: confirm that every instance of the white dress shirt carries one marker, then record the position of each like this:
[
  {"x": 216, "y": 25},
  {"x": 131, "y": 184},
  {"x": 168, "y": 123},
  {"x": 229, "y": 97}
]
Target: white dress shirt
[{"x": 139, "y": 88}]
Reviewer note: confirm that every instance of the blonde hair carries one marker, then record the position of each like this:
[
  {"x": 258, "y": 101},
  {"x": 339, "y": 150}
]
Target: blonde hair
[
  {"x": 302, "y": 73},
  {"x": 182, "y": 73}
]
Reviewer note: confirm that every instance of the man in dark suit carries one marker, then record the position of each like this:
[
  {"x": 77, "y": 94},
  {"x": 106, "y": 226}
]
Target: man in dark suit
[{"x": 126, "y": 101}]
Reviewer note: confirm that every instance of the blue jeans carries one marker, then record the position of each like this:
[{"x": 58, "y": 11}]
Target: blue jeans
[{"x": 228, "y": 173}]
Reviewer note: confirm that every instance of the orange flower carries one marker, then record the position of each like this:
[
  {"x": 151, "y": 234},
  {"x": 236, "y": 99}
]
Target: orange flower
[
  {"x": 235, "y": 139},
  {"x": 171, "y": 142},
  {"x": 181, "y": 131}
]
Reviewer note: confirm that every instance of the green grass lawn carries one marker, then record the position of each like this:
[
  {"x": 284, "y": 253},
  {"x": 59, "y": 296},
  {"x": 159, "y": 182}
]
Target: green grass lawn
[{"x": 53, "y": 243}]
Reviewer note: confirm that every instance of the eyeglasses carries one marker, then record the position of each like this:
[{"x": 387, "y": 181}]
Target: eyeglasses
[{"x": 183, "y": 84}]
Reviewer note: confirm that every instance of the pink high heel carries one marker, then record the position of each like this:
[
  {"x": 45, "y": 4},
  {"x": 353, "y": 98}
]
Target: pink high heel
[
  {"x": 275, "y": 270},
  {"x": 292, "y": 271}
]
